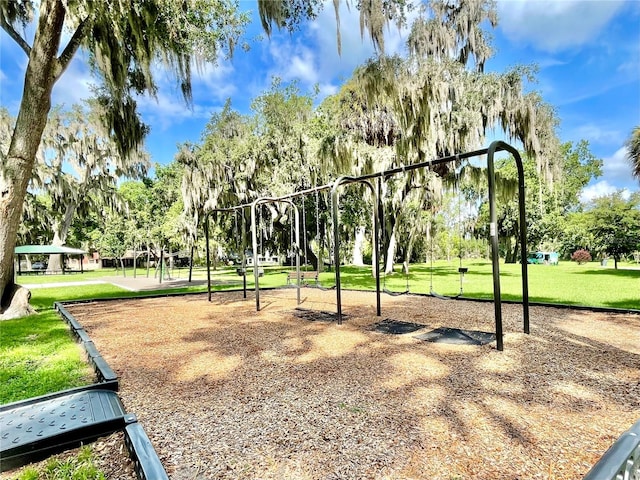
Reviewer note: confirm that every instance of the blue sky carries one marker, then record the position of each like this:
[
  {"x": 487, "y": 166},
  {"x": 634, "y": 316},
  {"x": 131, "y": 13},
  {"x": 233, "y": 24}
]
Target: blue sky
[{"x": 588, "y": 53}]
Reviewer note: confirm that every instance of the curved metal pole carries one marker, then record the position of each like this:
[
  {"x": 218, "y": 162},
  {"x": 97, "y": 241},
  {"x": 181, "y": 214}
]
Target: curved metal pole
[
  {"x": 206, "y": 236},
  {"x": 336, "y": 239},
  {"x": 254, "y": 238},
  {"x": 495, "y": 254},
  {"x": 499, "y": 145},
  {"x": 254, "y": 248},
  {"x": 493, "y": 232},
  {"x": 243, "y": 263},
  {"x": 297, "y": 247}
]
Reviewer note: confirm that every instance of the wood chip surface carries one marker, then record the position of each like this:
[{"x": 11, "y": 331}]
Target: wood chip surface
[{"x": 225, "y": 392}]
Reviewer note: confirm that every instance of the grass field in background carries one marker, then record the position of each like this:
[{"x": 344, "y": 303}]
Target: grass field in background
[{"x": 567, "y": 283}]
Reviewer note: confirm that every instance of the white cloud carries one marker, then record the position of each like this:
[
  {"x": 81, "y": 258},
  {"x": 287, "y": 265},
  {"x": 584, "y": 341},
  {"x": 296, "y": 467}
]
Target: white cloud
[
  {"x": 293, "y": 61},
  {"x": 554, "y": 25},
  {"x": 550, "y": 62},
  {"x": 167, "y": 110},
  {"x": 599, "y": 134},
  {"x": 355, "y": 48},
  {"x": 312, "y": 58},
  {"x": 616, "y": 171},
  {"x": 214, "y": 82},
  {"x": 632, "y": 64},
  {"x": 600, "y": 189},
  {"x": 74, "y": 85},
  {"x": 617, "y": 166},
  {"x": 327, "y": 89},
  {"x": 211, "y": 85}
]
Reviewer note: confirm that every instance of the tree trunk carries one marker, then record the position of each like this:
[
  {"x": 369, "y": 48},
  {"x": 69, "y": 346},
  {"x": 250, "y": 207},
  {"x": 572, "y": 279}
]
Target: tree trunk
[
  {"x": 321, "y": 245},
  {"x": 512, "y": 253},
  {"x": 55, "y": 259},
  {"x": 507, "y": 250},
  {"x": 41, "y": 74},
  {"x": 429, "y": 257},
  {"x": 391, "y": 251},
  {"x": 148, "y": 258},
  {"x": 311, "y": 257},
  {"x": 374, "y": 261},
  {"x": 357, "y": 259},
  {"x": 60, "y": 232},
  {"x": 408, "y": 252},
  {"x": 161, "y": 264},
  {"x": 19, "y": 303},
  {"x": 388, "y": 235}
]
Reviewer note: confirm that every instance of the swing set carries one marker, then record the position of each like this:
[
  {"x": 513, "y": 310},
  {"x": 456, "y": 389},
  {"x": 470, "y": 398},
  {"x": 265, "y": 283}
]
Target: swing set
[
  {"x": 432, "y": 292},
  {"x": 368, "y": 180},
  {"x": 461, "y": 269}
]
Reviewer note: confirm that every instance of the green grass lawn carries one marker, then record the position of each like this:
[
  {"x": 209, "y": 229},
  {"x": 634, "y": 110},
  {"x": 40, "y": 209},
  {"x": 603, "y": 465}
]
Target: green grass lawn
[
  {"x": 81, "y": 467},
  {"x": 38, "y": 356},
  {"x": 567, "y": 283}
]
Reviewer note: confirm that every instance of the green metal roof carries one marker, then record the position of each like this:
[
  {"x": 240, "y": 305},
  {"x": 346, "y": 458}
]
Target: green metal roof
[{"x": 47, "y": 250}]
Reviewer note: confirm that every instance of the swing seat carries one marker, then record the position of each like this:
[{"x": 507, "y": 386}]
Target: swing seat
[
  {"x": 395, "y": 294},
  {"x": 463, "y": 270}
]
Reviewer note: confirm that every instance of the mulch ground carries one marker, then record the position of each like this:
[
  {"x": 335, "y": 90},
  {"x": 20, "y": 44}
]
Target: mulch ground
[{"x": 225, "y": 392}]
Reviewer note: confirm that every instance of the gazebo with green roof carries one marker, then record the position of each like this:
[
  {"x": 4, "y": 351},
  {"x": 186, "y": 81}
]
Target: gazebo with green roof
[{"x": 48, "y": 250}]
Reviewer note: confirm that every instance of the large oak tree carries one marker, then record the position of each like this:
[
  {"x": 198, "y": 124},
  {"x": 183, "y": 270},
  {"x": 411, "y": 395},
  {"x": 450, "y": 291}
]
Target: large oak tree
[
  {"x": 124, "y": 41},
  {"x": 434, "y": 102}
]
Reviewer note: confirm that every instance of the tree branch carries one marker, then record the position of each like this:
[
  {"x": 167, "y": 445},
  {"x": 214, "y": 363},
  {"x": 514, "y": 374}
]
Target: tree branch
[
  {"x": 7, "y": 27},
  {"x": 72, "y": 47}
]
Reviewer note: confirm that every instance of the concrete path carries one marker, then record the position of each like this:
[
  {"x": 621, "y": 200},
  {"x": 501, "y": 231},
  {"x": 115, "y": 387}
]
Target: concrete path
[{"x": 140, "y": 284}]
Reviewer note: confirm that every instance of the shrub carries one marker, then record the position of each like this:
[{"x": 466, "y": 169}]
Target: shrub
[{"x": 581, "y": 256}]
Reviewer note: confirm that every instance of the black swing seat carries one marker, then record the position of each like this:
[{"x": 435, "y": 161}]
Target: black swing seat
[
  {"x": 395, "y": 294},
  {"x": 433, "y": 293}
]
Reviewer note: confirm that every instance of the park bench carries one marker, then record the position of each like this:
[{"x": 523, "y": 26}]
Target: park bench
[{"x": 304, "y": 275}]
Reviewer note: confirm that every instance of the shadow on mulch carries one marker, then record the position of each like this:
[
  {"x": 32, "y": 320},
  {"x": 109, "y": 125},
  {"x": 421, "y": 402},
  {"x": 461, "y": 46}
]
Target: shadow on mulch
[
  {"x": 457, "y": 336},
  {"x": 317, "y": 315},
  {"x": 396, "y": 327}
]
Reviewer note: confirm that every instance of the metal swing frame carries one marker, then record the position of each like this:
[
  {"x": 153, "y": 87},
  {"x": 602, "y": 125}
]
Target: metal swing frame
[{"x": 490, "y": 151}]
